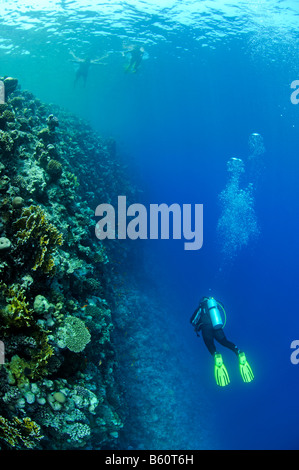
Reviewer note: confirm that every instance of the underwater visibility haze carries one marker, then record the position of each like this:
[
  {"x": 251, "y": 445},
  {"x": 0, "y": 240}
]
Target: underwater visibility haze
[{"x": 164, "y": 102}]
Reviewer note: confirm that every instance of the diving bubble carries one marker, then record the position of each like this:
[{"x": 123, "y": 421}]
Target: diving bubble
[
  {"x": 255, "y": 159},
  {"x": 256, "y": 144},
  {"x": 237, "y": 225},
  {"x": 235, "y": 165}
]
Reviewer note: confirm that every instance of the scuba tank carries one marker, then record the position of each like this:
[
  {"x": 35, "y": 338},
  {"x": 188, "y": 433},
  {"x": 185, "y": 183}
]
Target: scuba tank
[{"x": 215, "y": 315}]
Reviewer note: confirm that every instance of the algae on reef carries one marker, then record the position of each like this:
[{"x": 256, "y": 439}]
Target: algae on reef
[{"x": 57, "y": 386}]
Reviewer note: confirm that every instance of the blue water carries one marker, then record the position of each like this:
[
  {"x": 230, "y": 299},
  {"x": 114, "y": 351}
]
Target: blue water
[{"x": 212, "y": 75}]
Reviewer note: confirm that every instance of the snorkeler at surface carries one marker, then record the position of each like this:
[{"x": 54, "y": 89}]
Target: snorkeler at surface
[
  {"x": 137, "y": 53},
  {"x": 207, "y": 319},
  {"x": 84, "y": 65}
]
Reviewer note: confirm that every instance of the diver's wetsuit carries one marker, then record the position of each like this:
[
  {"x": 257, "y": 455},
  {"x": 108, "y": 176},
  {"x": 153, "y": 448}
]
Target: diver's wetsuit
[
  {"x": 136, "y": 58},
  {"x": 82, "y": 71},
  {"x": 209, "y": 333}
]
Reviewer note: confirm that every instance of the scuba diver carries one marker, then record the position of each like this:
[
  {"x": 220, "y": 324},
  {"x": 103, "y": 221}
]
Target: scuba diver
[
  {"x": 84, "y": 65},
  {"x": 137, "y": 53},
  {"x": 207, "y": 319}
]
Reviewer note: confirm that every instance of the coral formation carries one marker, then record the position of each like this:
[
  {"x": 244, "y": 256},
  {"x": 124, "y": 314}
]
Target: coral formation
[
  {"x": 17, "y": 312},
  {"x": 73, "y": 334},
  {"x": 17, "y": 202},
  {"x": 54, "y": 169},
  {"x": 20, "y": 431},
  {"x": 5, "y": 244},
  {"x": 32, "y": 229}
]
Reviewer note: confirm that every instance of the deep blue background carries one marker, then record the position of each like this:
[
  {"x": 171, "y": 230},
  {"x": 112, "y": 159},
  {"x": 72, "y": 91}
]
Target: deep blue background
[{"x": 176, "y": 123}]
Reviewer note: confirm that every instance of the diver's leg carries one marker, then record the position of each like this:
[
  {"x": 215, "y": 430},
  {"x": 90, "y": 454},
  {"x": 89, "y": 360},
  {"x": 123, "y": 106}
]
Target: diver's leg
[
  {"x": 208, "y": 337},
  {"x": 222, "y": 339},
  {"x": 84, "y": 76},
  {"x": 138, "y": 63},
  {"x": 76, "y": 78},
  {"x": 130, "y": 67},
  {"x": 220, "y": 372}
]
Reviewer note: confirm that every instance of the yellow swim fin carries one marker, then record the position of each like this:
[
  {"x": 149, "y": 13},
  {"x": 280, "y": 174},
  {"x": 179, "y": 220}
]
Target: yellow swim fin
[
  {"x": 220, "y": 372},
  {"x": 245, "y": 369}
]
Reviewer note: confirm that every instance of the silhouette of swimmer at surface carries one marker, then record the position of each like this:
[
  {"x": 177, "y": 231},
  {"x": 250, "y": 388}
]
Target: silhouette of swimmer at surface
[
  {"x": 84, "y": 65},
  {"x": 137, "y": 54}
]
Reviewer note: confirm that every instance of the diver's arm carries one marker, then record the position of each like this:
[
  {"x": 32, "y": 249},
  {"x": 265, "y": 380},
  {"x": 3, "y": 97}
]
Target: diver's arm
[
  {"x": 97, "y": 61},
  {"x": 198, "y": 311},
  {"x": 76, "y": 58},
  {"x": 197, "y": 317},
  {"x": 195, "y": 311}
]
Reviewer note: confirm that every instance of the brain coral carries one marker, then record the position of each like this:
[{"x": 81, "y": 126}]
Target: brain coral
[{"x": 76, "y": 334}]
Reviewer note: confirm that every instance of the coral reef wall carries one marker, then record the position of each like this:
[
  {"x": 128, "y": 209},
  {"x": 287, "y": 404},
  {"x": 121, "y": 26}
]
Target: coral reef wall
[{"x": 57, "y": 386}]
